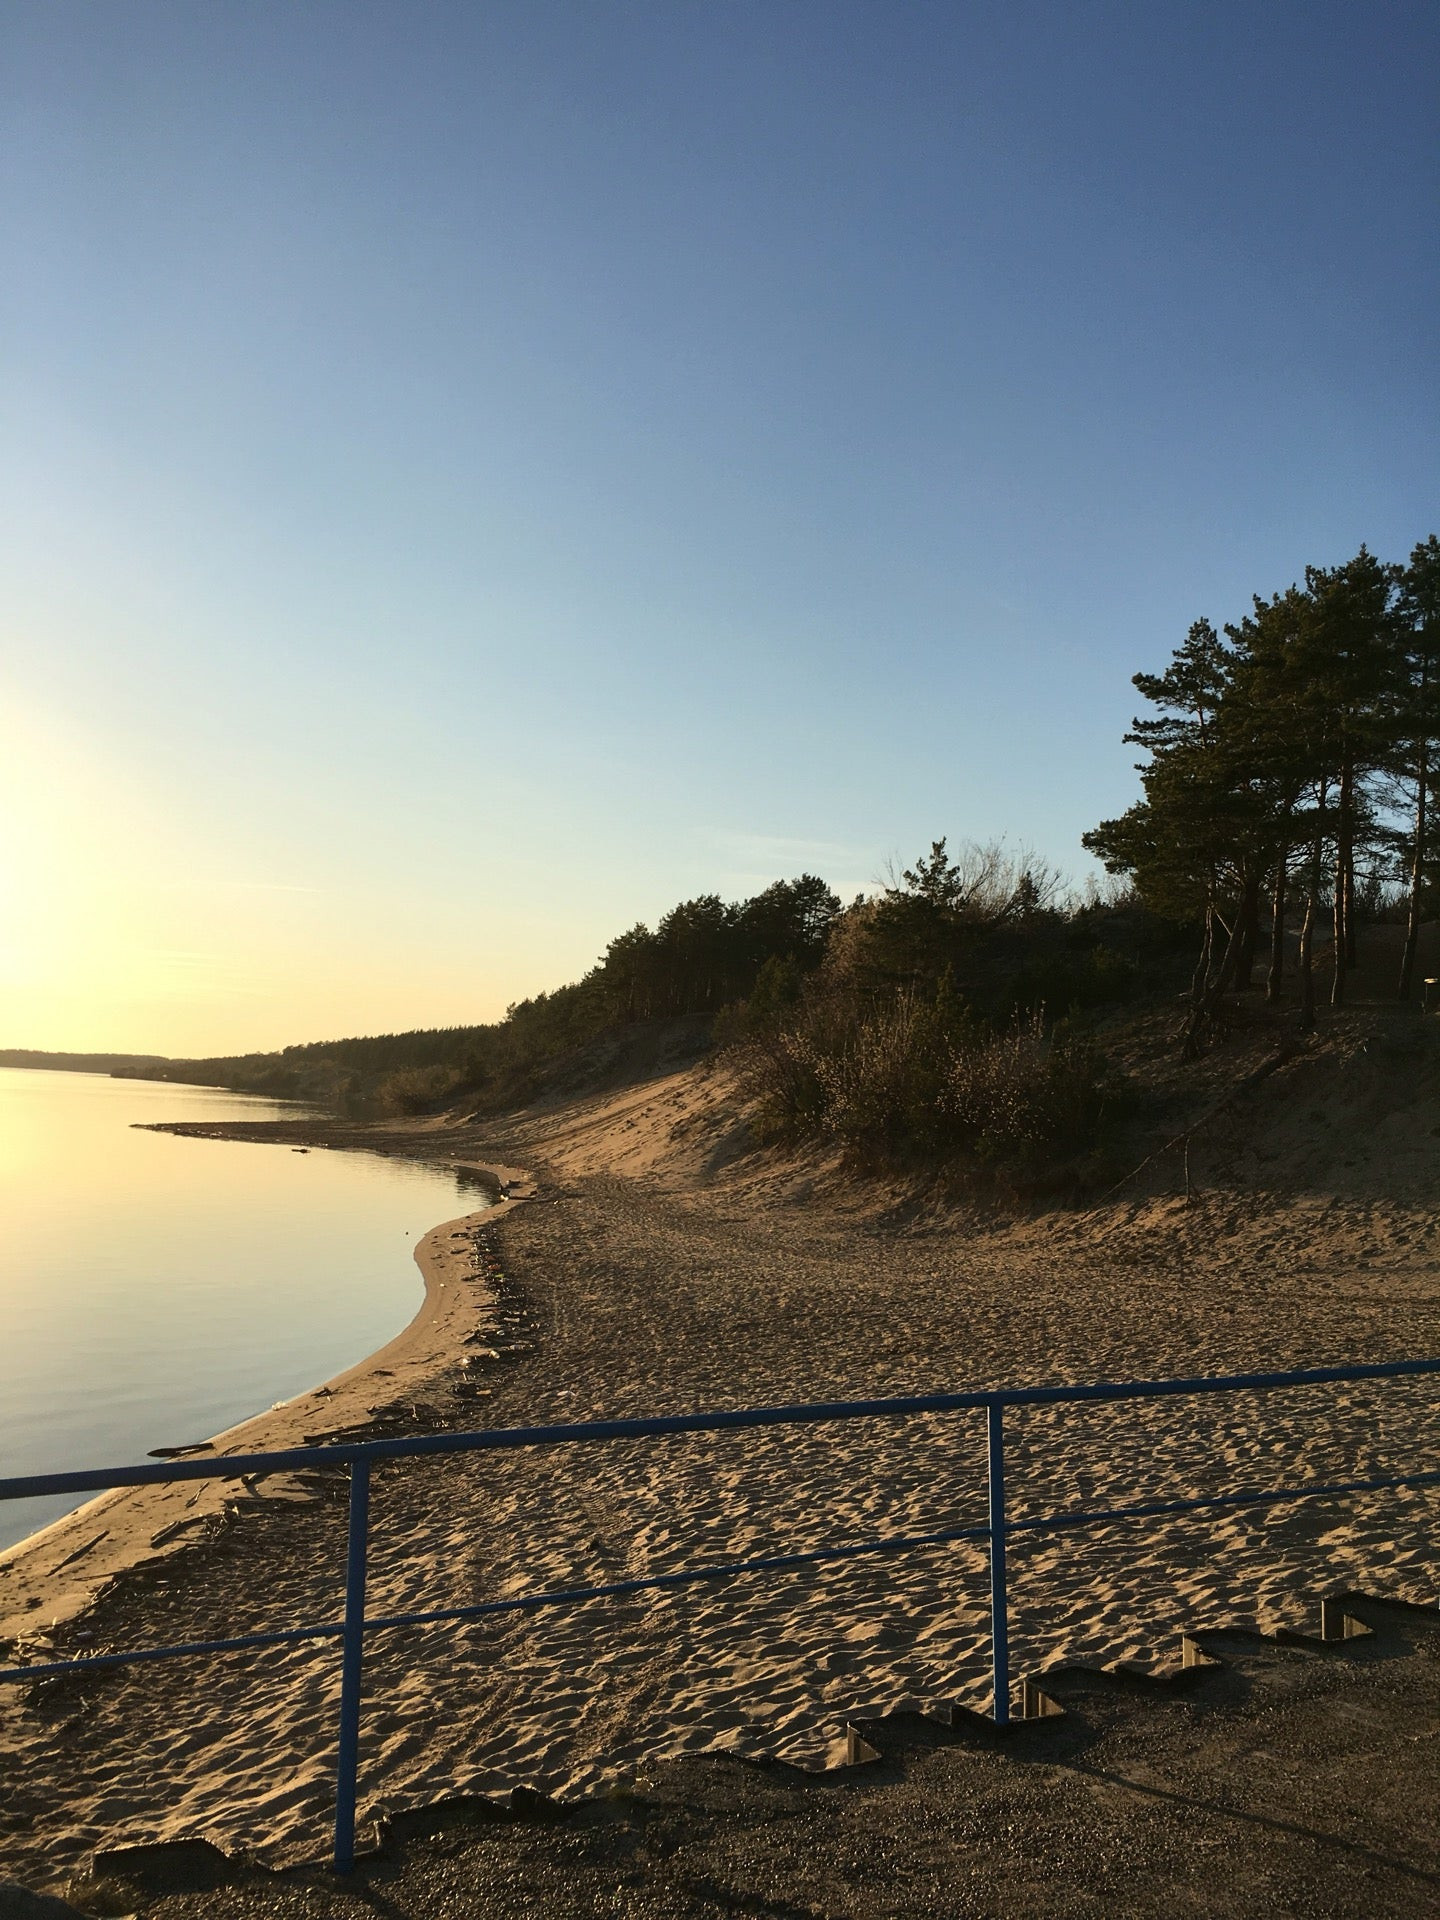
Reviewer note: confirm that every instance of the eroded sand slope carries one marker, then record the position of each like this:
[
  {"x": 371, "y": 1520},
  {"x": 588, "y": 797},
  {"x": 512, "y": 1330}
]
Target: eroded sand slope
[{"x": 667, "y": 1265}]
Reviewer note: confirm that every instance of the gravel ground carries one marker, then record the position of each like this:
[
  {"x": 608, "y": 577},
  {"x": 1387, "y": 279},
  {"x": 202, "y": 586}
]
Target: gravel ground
[{"x": 1288, "y": 1781}]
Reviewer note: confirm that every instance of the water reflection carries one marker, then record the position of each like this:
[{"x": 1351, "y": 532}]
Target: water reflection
[{"x": 154, "y": 1290}]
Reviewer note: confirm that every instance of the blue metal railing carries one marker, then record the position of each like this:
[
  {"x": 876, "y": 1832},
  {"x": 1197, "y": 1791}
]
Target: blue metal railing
[{"x": 996, "y": 1530}]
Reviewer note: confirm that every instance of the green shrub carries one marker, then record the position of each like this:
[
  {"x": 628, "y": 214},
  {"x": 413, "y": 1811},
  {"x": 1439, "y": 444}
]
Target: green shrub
[
  {"x": 412, "y": 1090},
  {"x": 909, "y": 1079}
]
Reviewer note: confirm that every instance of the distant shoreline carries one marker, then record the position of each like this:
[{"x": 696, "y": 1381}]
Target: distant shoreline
[{"x": 103, "y": 1065}]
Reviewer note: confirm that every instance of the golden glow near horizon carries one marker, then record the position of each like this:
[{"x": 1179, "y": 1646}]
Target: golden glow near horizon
[
  {"x": 121, "y": 931},
  {"x": 70, "y": 841},
  {"x": 88, "y": 958},
  {"x": 434, "y": 545},
  {"x": 157, "y": 906}
]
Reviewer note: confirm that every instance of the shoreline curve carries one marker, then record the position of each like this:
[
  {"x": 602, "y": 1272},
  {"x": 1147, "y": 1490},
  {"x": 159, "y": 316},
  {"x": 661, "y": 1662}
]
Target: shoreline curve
[{"x": 53, "y": 1576}]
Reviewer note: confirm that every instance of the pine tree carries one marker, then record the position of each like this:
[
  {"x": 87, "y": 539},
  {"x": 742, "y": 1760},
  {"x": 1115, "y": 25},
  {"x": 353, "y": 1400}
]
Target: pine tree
[
  {"x": 1200, "y": 843},
  {"x": 1350, "y": 663},
  {"x": 1418, "y": 719}
]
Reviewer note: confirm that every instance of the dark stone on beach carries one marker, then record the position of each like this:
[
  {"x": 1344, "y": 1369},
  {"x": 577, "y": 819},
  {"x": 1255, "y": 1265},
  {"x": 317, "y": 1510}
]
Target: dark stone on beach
[
  {"x": 528, "y": 1804},
  {"x": 162, "y": 1865},
  {"x": 20, "y": 1903},
  {"x": 458, "y": 1810}
]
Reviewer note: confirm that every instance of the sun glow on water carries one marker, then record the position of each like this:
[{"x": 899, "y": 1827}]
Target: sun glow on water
[{"x": 155, "y": 1290}]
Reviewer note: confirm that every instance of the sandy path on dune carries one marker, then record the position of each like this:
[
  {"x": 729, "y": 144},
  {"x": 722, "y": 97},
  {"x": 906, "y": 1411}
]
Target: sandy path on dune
[{"x": 653, "y": 1294}]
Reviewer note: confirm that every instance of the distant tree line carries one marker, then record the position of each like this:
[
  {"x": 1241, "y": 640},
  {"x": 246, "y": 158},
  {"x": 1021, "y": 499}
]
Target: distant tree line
[
  {"x": 915, "y": 1023},
  {"x": 704, "y": 954},
  {"x": 1288, "y": 796},
  {"x": 1290, "y": 784},
  {"x": 130, "y": 1065}
]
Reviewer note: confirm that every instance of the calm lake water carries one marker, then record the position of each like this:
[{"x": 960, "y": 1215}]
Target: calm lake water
[{"x": 155, "y": 1290}]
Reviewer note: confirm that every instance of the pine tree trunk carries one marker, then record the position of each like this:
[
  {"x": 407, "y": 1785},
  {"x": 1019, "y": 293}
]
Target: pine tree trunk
[
  {"x": 1342, "y": 862},
  {"x": 1307, "y": 973},
  {"x": 1417, "y": 873},
  {"x": 1275, "y": 978},
  {"x": 1350, "y": 954},
  {"x": 1229, "y": 972},
  {"x": 1249, "y": 934},
  {"x": 1203, "y": 1009},
  {"x": 1312, "y": 901},
  {"x": 1202, "y": 965},
  {"x": 1199, "y": 981}
]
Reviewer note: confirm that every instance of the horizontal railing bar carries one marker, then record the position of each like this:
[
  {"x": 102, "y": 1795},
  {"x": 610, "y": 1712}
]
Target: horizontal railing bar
[
  {"x": 728, "y": 1570},
  {"x": 684, "y": 1576},
  {"x": 274, "y": 1639},
  {"x": 1147, "y": 1509},
  {"x": 234, "y": 1466},
  {"x": 893, "y": 1543}
]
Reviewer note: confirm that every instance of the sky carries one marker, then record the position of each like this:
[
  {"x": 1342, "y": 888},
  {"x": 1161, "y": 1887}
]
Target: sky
[{"x": 475, "y": 475}]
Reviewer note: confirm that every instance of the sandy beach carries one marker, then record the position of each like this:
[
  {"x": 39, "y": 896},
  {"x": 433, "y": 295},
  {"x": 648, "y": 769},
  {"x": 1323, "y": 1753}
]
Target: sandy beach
[
  {"x": 49, "y": 1579},
  {"x": 650, "y": 1260},
  {"x": 58, "y": 1573}
]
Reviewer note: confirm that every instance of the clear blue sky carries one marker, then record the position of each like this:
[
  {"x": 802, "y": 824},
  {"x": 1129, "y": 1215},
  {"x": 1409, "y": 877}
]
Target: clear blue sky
[{"x": 475, "y": 474}]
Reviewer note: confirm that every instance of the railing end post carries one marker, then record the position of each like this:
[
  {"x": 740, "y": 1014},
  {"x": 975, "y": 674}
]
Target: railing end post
[
  {"x": 999, "y": 1600},
  {"x": 348, "y": 1756}
]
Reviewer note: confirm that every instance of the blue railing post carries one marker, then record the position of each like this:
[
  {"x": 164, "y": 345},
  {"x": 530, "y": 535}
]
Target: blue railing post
[
  {"x": 352, "y": 1662},
  {"x": 999, "y": 1605},
  {"x": 996, "y": 1530}
]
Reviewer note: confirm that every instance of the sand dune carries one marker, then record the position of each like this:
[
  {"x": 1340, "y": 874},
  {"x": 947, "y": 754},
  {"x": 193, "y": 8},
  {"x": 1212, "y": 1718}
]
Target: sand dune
[{"x": 661, "y": 1267}]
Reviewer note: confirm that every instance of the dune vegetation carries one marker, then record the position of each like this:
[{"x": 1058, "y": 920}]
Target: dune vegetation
[{"x": 958, "y": 1013}]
